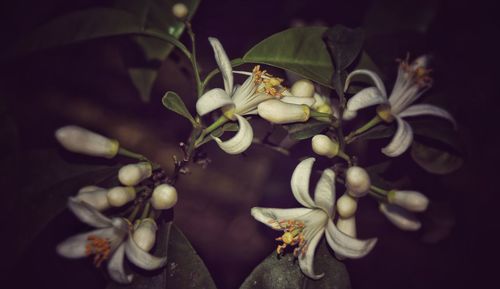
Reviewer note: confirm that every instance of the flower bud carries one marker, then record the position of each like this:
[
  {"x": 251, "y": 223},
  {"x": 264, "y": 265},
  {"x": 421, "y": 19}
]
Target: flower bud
[
  {"x": 164, "y": 197},
  {"x": 410, "y": 200},
  {"x": 349, "y": 114},
  {"x": 357, "y": 181},
  {"x": 94, "y": 196},
  {"x": 347, "y": 226},
  {"x": 119, "y": 196},
  {"x": 145, "y": 234},
  {"x": 80, "y": 140},
  {"x": 324, "y": 146},
  {"x": 303, "y": 88},
  {"x": 276, "y": 111},
  {"x": 132, "y": 174},
  {"x": 298, "y": 100},
  {"x": 347, "y": 206},
  {"x": 180, "y": 10},
  {"x": 400, "y": 217}
]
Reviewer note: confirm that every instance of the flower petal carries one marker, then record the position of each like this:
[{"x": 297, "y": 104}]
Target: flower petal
[
  {"x": 309, "y": 101},
  {"x": 306, "y": 261},
  {"x": 324, "y": 195},
  {"x": 74, "y": 246},
  {"x": 300, "y": 182},
  {"x": 115, "y": 267},
  {"x": 223, "y": 63},
  {"x": 141, "y": 258},
  {"x": 427, "y": 109},
  {"x": 239, "y": 142},
  {"x": 375, "y": 78},
  {"x": 365, "y": 98},
  {"x": 88, "y": 214},
  {"x": 212, "y": 100},
  {"x": 271, "y": 216},
  {"x": 400, "y": 217},
  {"x": 345, "y": 245},
  {"x": 401, "y": 140},
  {"x": 244, "y": 91}
]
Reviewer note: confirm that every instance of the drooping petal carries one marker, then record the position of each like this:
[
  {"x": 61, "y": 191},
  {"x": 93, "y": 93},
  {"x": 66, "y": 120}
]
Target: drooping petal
[
  {"x": 375, "y": 78},
  {"x": 401, "y": 141},
  {"x": 365, "y": 98},
  {"x": 115, "y": 267},
  {"x": 212, "y": 100},
  {"x": 345, "y": 245},
  {"x": 223, "y": 63},
  {"x": 141, "y": 258},
  {"x": 88, "y": 214},
  {"x": 306, "y": 261},
  {"x": 309, "y": 101},
  {"x": 239, "y": 142},
  {"x": 324, "y": 195},
  {"x": 427, "y": 109},
  {"x": 75, "y": 246},
  {"x": 271, "y": 216},
  {"x": 400, "y": 217},
  {"x": 300, "y": 182}
]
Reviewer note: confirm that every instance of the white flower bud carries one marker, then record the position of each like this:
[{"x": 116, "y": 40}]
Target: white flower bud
[
  {"x": 132, "y": 174},
  {"x": 349, "y": 114},
  {"x": 80, "y": 140},
  {"x": 119, "y": 196},
  {"x": 357, "y": 181},
  {"x": 400, "y": 217},
  {"x": 303, "y": 88},
  {"x": 347, "y": 206},
  {"x": 145, "y": 234},
  {"x": 324, "y": 146},
  {"x": 164, "y": 197},
  {"x": 180, "y": 10},
  {"x": 410, "y": 200},
  {"x": 276, "y": 111},
  {"x": 94, "y": 196},
  {"x": 347, "y": 226}
]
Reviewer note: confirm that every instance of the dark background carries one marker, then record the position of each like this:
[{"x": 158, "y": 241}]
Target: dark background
[{"x": 87, "y": 84}]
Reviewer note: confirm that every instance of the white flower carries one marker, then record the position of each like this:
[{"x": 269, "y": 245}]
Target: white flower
[
  {"x": 145, "y": 233},
  {"x": 132, "y": 174},
  {"x": 277, "y": 111},
  {"x": 110, "y": 241},
  {"x": 303, "y": 88},
  {"x": 347, "y": 206},
  {"x": 304, "y": 227},
  {"x": 412, "y": 81},
  {"x": 410, "y": 200},
  {"x": 324, "y": 146},
  {"x": 94, "y": 196},
  {"x": 119, "y": 196},
  {"x": 400, "y": 217},
  {"x": 80, "y": 140},
  {"x": 164, "y": 197},
  {"x": 357, "y": 181},
  {"x": 237, "y": 102}
]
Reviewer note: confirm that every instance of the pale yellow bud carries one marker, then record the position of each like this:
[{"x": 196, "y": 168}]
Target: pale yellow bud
[
  {"x": 324, "y": 146},
  {"x": 180, "y": 10},
  {"x": 132, "y": 174},
  {"x": 145, "y": 234},
  {"x": 410, "y": 200},
  {"x": 276, "y": 111},
  {"x": 400, "y": 217},
  {"x": 80, "y": 140},
  {"x": 119, "y": 196},
  {"x": 357, "y": 181},
  {"x": 347, "y": 206},
  {"x": 164, "y": 197},
  {"x": 303, "y": 88},
  {"x": 94, "y": 196}
]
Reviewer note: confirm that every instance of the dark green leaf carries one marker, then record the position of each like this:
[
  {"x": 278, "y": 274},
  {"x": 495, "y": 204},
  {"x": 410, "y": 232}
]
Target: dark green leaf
[
  {"x": 306, "y": 130},
  {"x": 305, "y": 53},
  {"x": 344, "y": 45},
  {"x": 173, "y": 102},
  {"x": 284, "y": 273},
  {"x": 434, "y": 160}
]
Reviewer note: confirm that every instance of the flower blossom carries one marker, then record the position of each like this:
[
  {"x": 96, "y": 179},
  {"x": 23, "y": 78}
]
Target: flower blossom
[
  {"x": 304, "y": 227},
  {"x": 112, "y": 240},
  {"x": 412, "y": 81}
]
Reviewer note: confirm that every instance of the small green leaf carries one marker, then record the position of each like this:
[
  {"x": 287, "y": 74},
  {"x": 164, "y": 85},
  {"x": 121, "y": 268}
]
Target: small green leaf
[
  {"x": 174, "y": 103},
  {"x": 284, "y": 273},
  {"x": 305, "y": 53},
  {"x": 344, "y": 45},
  {"x": 306, "y": 130},
  {"x": 434, "y": 160}
]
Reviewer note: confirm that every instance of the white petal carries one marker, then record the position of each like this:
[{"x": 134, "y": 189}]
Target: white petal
[
  {"x": 400, "y": 217},
  {"x": 300, "y": 182},
  {"x": 88, "y": 214},
  {"x": 309, "y": 101},
  {"x": 74, "y": 247},
  {"x": 324, "y": 195},
  {"x": 349, "y": 114},
  {"x": 115, "y": 267},
  {"x": 141, "y": 258},
  {"x": 224, "y": 64},
  {"x": 306, "y": 261},
  {"x": 365, "y": 98},
  {"x": 375, "y": 78},
  {"x": 427, "y": 109},
  {"x": 242, "y": 92},
  {"x": 212, "y": 100},
  {"x": 401, "y": 140},
  {"x": 271, "y": 216},
  {"x": 345, "y": 245},
  {"x": 240, "y": 141}
]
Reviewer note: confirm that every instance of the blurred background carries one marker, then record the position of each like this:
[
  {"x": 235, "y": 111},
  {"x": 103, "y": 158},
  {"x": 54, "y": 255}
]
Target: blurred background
[{"x": 88, "y": 84}]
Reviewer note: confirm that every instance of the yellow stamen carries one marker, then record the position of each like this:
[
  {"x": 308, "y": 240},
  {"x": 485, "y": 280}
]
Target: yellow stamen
[
  {"x": 99, "y": 247},
  {"x": 292, "y": 236}
]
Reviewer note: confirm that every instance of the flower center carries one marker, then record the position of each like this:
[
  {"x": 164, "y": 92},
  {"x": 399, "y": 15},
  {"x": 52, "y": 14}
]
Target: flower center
[
  {"x": 99, "y": 247},
  {"x": 292, "y": 236},
  {"x": 267, "y": 83},
  {"x": 385, "y": 113}
]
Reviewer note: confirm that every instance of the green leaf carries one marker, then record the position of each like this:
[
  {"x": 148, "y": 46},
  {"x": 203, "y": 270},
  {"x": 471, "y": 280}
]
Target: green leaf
[
  {"x": 300, "y": 50},
  {"x": 284, "y": 273},
  {"x": 435, "y": 160},
  {"x": 344, "y": 45},
  {"x": 174, "y": 103},
  {"x": 232, "y": 126},
  {"x": 143, "y": 80},
  {"x": 306, "y": 130}
]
